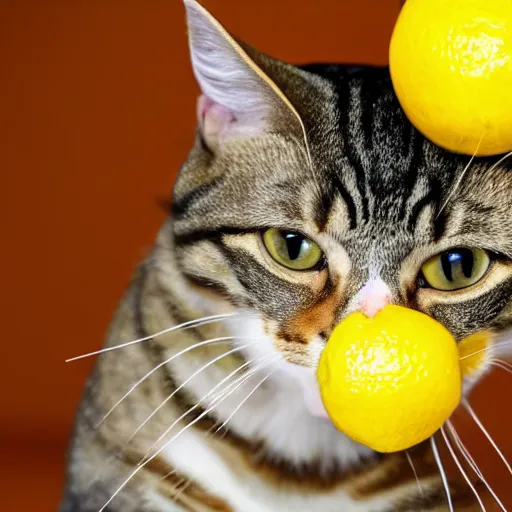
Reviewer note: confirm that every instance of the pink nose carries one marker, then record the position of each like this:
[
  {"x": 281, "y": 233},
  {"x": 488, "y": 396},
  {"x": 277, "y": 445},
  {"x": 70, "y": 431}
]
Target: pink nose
[
  {"x": 372, "y": 305},
  {"x": 374, "y": 296}
]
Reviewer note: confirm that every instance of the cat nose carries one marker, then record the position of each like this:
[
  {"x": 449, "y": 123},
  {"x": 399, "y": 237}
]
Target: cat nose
[{"x": 373, "y": 296}]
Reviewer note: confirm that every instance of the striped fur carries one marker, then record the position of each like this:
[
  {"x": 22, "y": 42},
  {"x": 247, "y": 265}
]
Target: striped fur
[{"x": 335, "y": 158}]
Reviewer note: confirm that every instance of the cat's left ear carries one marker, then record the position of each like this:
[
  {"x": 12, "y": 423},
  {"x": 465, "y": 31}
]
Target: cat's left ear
[{"x": 239, "y": 99}]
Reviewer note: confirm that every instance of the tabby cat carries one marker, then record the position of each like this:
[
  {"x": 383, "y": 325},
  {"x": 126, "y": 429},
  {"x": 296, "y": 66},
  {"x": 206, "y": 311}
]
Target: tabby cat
[{"x": 307, "y": 195}]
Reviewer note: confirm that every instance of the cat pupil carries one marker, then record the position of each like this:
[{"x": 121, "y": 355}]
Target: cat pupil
[
  {"x": 293, "y": 244},
  {"x": 456, "y": 261}
]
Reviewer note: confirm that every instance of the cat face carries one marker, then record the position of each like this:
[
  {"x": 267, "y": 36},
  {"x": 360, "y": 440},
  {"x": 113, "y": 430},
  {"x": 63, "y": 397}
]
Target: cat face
[{"x": 309, "y": 195}]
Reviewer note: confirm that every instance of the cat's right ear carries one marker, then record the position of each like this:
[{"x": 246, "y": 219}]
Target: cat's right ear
[{"x": 238, "y": 99}]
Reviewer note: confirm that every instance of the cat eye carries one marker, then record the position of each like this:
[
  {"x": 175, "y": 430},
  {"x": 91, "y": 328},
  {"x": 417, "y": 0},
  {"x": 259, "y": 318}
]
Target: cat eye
[
  {"x": 456, "y": 269},
  {"x": 292, "y": 250}
]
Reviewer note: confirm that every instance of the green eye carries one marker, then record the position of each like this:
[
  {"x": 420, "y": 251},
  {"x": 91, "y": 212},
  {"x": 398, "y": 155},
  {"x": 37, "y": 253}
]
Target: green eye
[
  {"x": 291, "y": 249},
  {"x": 455, "y": 269}
]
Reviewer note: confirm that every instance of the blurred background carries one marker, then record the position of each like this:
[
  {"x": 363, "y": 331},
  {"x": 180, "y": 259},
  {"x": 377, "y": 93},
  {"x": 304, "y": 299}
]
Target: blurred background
[{"x": 97, "y": 112}]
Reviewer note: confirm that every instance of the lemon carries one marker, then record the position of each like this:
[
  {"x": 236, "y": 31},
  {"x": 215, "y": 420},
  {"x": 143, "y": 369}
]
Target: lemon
[
  {"x": 391, "y": 381},
  {"x": 451, "y": 67}
]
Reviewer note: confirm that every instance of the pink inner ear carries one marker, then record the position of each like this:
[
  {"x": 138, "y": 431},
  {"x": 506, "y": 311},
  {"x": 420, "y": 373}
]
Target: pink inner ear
[{"x": 214, "y": 119}]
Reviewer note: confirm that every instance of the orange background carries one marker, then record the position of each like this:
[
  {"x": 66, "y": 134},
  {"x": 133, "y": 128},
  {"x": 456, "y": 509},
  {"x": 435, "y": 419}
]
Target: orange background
[{"x": 97, "y": 107}]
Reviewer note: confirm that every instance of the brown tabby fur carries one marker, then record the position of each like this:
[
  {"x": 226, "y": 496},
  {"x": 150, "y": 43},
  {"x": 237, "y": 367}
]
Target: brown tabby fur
[{"x": 365, "y": 194}]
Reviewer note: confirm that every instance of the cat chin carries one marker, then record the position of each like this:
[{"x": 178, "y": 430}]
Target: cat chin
[
  {"x": 286, "y": 413},
  {"x": 292, "y": 418}
]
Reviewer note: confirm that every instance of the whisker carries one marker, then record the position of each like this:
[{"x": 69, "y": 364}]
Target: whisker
[
  {"x": 442, "y": 473},
  {"x": 502, "y": 361},
  {"x": 141, "y": 466},
  {"x": 181, "y": 386},
  {"x": 191, "y": 323},
  {"x": 314, "y": 175},
  {"x": 474, "y": 467},
  {"x": 502, "y": 364},
  {"x": 501, "y": 160},
  {"x": 210, "y": 430},
  {"x": 460, "y": 178},
  {"x": 464, "y": 450},
  {"x": 239, "y": 381},
  {"x": 490, "y": 347},
  {"x": 461, "y": 469},
  {"x": 223, "y": 339},
  {"x": 175, "y": 470},
  {"x": 414, "y": 471},
  {"x": 214, "y": 398},
  {"x": 237, "y": 408},
  {"x": 503, "y": 367},
  {"x": 187, "y": 483},
  {"x": 487, "y": 435}
]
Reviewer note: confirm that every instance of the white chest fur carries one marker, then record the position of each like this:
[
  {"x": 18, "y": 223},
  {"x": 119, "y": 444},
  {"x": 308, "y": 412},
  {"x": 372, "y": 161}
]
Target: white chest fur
[
  {"x": 192, "y": 456},
  {"x": 276, "y": 414}
]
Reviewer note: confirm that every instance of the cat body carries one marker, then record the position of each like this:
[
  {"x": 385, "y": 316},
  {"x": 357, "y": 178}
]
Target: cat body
[{"x": 224, "y": 413}]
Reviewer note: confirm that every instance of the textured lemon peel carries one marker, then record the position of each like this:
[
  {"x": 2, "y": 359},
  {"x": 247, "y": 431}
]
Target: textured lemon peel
[
  {"x": 452, "y": 72},
  {"x": 391, "y": 381}
]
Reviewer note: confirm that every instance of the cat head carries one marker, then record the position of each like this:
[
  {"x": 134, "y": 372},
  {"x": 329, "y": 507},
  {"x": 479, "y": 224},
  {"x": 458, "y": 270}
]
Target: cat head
[{"x": 308, "y": 195}]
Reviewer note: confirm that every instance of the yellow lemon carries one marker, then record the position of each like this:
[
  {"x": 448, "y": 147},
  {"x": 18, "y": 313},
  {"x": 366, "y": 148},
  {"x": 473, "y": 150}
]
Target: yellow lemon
[
  {"x": 451, "y": 66},
  {"x": 391, "y": 381}
]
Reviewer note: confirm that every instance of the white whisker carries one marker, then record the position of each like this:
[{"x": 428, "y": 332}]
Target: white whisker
[
  {"x": 495, "y": 346},
  {"x": 502, "y": 361},
  {"x": 461, "y": 469},
  {"x": 237, "y": 408},
  {"x": 460, "y": 178},
  {"x": 214, "y": 398},
  {"x": 181, "y": 386},
  {"x": 216, "y": 395},
  {"x": 442, "y": 473},
  {"x": 464, "y": 450},
  {"x": 502, "y": 364},
  {"x": 175, "y": 470},
  {"x": 414, "y": 471},
  {"x": 185, "y": 486},
  {"x": 186, "y": 325},
  {"x": 210, "y": 430},
  {"x": 139, "y": 467},
  {"x": 487, "y": 435},
  {"x": 239, "y": 381},
  {"x": 224, "y": 339},
  {"x": 500, "y": 161}
]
